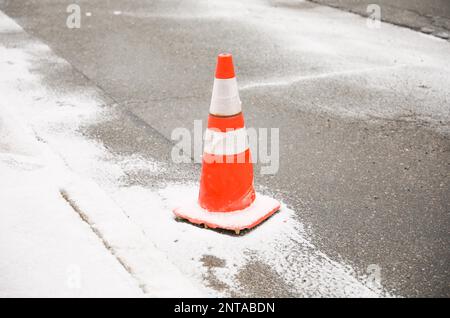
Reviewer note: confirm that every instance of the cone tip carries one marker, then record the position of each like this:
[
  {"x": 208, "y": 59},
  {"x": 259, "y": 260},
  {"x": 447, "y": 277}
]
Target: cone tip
[{"x": 225, "y": 68}]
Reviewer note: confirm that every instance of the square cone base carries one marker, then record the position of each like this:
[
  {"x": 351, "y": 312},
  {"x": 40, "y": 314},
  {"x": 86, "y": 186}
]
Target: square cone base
[{"x": 261, "y": 209}]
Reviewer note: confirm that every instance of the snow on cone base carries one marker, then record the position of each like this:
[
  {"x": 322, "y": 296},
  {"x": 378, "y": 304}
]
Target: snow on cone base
[{"x": 261, "y": 209}]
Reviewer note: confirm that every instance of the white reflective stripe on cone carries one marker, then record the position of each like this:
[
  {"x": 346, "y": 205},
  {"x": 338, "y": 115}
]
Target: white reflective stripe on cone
[
  {"x": 225, "y": 143},
  {"x": 225, "y": 99}
]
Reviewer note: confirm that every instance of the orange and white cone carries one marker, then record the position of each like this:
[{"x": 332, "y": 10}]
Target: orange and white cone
[{"x": 227, "y": 199}]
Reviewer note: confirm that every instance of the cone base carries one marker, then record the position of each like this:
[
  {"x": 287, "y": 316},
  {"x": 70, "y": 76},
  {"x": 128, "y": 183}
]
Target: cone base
[{"x": 261, "y": 209}]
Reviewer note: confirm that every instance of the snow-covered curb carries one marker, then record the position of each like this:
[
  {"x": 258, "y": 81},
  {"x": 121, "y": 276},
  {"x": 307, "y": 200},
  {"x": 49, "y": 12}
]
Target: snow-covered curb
[
  {"x": 31, "y": 170},
  {"x": 47, "y": 251}
]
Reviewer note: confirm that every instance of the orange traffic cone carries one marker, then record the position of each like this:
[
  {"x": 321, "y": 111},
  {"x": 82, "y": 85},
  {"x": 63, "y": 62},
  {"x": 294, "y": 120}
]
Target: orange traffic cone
[{"x": 227, "y": 198}]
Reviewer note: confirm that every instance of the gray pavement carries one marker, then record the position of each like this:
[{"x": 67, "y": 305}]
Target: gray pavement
[
  {"x": 432, "y": 16},
  {"x": 363, "y": 116}
]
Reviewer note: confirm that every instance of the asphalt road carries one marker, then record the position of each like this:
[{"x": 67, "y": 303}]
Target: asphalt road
[
  {"x": 363, "y": 117},
  {"x": 431, "y": 16}
]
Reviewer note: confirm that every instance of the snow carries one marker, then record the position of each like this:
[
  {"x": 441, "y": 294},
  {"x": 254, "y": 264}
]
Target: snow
[
  {"x": 280, "y": 242},
  {"x": 262, "y": 208},
  {"x": 46, "y": 250},
  {"x": 38, "y": 216},
  {"x": 64, "y": 208},
  {"x": 61, "y": 234},
  {"x": 157, "y": 275}
]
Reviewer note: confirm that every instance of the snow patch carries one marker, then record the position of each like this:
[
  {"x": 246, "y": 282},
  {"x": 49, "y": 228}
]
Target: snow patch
[
  {"x": 280, "y": 242},
  {"x": 262, "y": 208}
]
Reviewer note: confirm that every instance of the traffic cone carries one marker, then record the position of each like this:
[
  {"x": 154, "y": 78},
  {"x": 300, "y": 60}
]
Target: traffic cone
[{"x": 227, "y": 199}]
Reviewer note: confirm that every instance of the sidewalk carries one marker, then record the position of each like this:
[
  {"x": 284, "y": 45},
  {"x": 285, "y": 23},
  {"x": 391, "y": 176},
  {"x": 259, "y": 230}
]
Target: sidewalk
[
  {"x": 47, "y": 250},
  {"x": 62, "y": 236}
]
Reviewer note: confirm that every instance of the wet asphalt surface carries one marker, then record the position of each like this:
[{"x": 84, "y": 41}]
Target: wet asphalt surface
[
  {"x": 370, "y": 190},
  {"x": 430, "y": 17}
]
